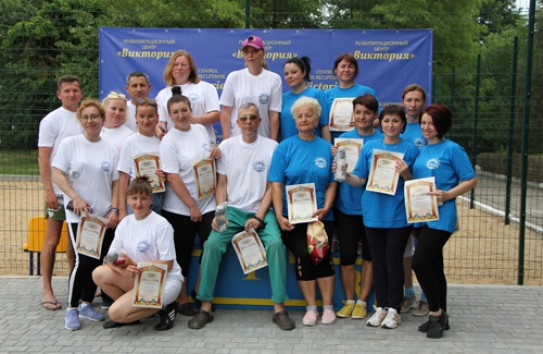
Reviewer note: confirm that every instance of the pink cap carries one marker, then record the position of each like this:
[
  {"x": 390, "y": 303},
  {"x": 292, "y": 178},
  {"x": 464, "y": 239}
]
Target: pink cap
[{"x": 253, "y": 41}]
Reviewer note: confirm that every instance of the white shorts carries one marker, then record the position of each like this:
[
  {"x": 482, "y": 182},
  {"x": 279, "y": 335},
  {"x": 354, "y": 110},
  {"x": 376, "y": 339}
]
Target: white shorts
[
  {"x": 410, "y": 248},
  {"x": 172, "y": 287}
]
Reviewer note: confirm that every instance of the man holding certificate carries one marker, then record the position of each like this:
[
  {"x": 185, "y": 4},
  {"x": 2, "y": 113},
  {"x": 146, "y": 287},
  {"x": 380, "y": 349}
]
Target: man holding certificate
[{"x": 243, "y": 180}]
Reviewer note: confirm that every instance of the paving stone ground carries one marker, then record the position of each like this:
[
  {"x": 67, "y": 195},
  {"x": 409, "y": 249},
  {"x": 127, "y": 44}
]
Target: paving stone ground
[{"x": 483, "y": 319}]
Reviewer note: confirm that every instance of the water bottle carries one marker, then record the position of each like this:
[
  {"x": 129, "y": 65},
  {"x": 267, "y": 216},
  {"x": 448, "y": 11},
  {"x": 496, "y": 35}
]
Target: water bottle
[
  {"x": 220, "y": 217},
  {"x": 341, "y": 161}
]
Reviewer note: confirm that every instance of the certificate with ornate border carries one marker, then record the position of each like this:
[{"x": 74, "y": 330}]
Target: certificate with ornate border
[
  {"x": 419, "y": 206},
  {"x": 149, "y": 285},
  {"x": 383, "y": 177},
  {"x": 341, "y": 115},
  {"x": 302, "y": 203},
  {"x": 206, "y": 178},
  {"x": 250, "y": 251},
  {"x": 90, "y": 235},
  {"x": 352, "y": 147},
  {"x": 146, "y": 165}
]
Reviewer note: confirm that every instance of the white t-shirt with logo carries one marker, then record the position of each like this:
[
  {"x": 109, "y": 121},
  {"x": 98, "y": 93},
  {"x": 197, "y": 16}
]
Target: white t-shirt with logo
[
  {"x": 116, "y": 136},
  {"x": 264, "y": 90},
  {"x": 134, "y": 145}
]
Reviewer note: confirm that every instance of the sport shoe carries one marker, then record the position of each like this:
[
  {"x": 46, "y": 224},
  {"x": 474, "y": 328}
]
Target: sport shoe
[
  {"x": 200, "y": 320},
  {"x": 106, "y": 304},
  {"x": 377, "y": 318},
  {"x": 167, "y": 317},
  {"x": 359, "y": 311},
  {"x": 283, "y": 321},
  {"x": 346, "y": 311},
  {"x": 424, "y": 327},
  {"x": 310, "y": 318},
  {"x": 392, "y": 320},
  {"x": 71, "y": 319},
  {"x": 421, "y": 310},
  {"x": 186, "y": 309},
  {"x": 89, "y": 312},
  {"x": 407, "y": 304},
  {"x": 328, "y": 317},
  {"x": 436, "y": 325}
]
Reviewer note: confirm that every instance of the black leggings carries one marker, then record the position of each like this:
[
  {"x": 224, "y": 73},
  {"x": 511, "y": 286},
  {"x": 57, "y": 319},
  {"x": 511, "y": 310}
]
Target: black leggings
[
  {"x": 350, "y": 231},
  {"x": 81, "y": 286},
  {"x": 387, "y": 248},
  {"x": 428, "y": 266},
  {"x": 296, "y": 242},
  {"x": 184, "y": 234}
]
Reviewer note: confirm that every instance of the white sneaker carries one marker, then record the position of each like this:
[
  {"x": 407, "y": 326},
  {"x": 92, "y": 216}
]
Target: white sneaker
[
  {"x": 392, "y": 320},
  {"x": 377, "y": 318}
]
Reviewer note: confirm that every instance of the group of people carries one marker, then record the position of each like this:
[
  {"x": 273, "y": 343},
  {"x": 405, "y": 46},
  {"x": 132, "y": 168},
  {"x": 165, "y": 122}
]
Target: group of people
[{"x": 87, "y": 158}]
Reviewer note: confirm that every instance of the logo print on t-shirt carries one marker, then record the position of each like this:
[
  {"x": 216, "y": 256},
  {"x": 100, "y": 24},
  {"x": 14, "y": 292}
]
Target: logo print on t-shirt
[
  {"x": 419, "y": 142},
  {"x": 73, "y": 175},
  {"x": 432, "y": 164},
  {"x": 105, "y": 166},
  {"x": 206, "y": 147},
  {"x": 321, "y": 162},
  {"x": 143, "y": 246},
  {"x": 264, "y": 98},
  {"x": 259, "y": 166}
]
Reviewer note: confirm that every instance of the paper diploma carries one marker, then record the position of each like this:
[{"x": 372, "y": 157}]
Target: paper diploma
[
  {"x": 250, "y": 251},
  {"x": 383, "y": 177},
  {"x": 352, "y": 147},
  {"x": 146, "y": 165},
  {"x": 419, "y": 206},
  {"x": 205, "y": 177},
  {"x": 90, "y": 235},
  {"x": 149, "y": 285},
  {"x": 341, "y": 115},
  {"x": 302, "y": 203}
]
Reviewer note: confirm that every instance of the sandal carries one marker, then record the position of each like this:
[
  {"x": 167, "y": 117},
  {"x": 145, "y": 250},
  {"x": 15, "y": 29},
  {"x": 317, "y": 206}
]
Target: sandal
[{"x": 51, "y": 305}]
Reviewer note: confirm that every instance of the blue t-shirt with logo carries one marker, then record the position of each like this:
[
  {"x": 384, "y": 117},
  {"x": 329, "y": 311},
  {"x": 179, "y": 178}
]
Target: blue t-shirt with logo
[
  {"x": 297, "y": 161},
  {"x": 449, "y": 164},
  {"x": 414, "y": 135},
  {"x": 288, "y": 125}
]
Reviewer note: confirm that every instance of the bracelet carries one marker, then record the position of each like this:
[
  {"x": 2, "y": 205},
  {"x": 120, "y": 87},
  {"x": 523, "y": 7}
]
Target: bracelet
[
  {"x": 259, "y": 219},
  {"x": 116, "y": 210}
]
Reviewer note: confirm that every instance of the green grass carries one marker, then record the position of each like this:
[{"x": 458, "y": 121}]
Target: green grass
[{"x": 19, "y": 162}]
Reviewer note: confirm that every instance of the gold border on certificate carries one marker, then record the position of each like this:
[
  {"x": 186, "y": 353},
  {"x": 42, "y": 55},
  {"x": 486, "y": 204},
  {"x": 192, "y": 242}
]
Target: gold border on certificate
[
  {"x": 206, "y": 178},
  {"x": 302, "y": 203},
  {"x": 341, "y": 115},
  {"x": 146, "y": 165},
  {"x": 149, "y": 285},
  {"x": 419, "y": 206},
  {"x": 383, "y": 177},
  {"x": 250, "y": 251},
  {"x": 90, "y": 235},
  {"x": 352, "y": 148}
]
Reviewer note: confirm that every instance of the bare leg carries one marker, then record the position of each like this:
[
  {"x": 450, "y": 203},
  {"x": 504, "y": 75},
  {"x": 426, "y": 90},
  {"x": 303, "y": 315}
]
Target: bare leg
[
  {"x": 47, "y": 258},
  {"x": 308, "y": 290},
  {"x": 408, "y": 274},
  {"x": 348, "y": 280},
  {"x": 367, "y": 280},
  {"x": 122, "y": 311},
  {"x": 326, "y": 285}
]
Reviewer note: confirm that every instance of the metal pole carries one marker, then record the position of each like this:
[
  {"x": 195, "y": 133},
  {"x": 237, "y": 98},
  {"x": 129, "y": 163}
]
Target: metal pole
[
  {"x": 247, "y": 13},
  {"x": 475, "y": 123},
  {"x": 525, "y": 145},
  {"x": 511, "y": 130},
  {"x": 453, "y": 89}
]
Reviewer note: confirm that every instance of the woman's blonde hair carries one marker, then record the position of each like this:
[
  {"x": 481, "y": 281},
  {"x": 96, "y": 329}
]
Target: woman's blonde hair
[
  {"x": 114, "y": 96},
  {"x": 91, "y": 102},
  {"x": 193, "y": 76}
]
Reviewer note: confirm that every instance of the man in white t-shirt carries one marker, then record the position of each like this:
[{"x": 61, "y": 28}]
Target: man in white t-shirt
[
  {"x": 245, "y": 161},
  {"x": 138, "y": 88},
  {"x": 56, "y": 126}
]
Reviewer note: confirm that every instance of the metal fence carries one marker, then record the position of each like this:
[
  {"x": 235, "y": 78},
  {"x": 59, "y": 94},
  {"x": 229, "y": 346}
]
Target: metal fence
[{"x": 501, "y": 222}]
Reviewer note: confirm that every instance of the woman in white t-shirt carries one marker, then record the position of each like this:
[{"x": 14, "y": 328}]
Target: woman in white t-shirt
[
  {"x": 84, "y": 169},
  {"x": 143, "y": 236},
  {"x": 253, "y": 84},
  {"x": 115, "y": 130},
  {"x": 189, "y": 204},
  {"x": 181, "y": 77}
]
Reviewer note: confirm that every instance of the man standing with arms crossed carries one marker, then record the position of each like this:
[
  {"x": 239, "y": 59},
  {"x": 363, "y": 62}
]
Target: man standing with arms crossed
[{"x": 56, "y": 126}]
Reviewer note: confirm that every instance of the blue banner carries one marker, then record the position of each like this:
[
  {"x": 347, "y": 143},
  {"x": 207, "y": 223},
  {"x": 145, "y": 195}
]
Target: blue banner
[{"x": 389, "y": 60}]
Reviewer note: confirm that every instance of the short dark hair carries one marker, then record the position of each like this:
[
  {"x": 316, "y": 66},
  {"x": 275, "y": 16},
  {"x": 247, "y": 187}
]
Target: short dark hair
[
  {"x": 368, "y": 100},
  {"x": 68, "y": 79},
  {"x": 350, "y": 58},
  {"x": 140, "y": 185},
  {"x": 441, "y": 117},
  {"x": 304, "y": 63},
  {"x": 177, "y": 99},
  {"x": 393, "y": 109},
  {"x": 137, "y": 74}
]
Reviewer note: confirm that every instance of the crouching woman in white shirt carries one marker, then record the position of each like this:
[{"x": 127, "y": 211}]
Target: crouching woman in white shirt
[{"x": 140, "y": 237}]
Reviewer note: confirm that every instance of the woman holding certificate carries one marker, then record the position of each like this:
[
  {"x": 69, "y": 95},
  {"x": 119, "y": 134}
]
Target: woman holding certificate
[
  {"x": 143, "y": 246},
  {"x": 340, "y": 97},
  {"x": 383, "y": 166},
  {"x": 297, "y": 78},
  {"x": 84, "y": 169},
  {"x": 181, "y": 77},
  {"x": 187, "y": 159},
  {"x": 449, "y": 164},
  {"x": 303, "y": 163}
]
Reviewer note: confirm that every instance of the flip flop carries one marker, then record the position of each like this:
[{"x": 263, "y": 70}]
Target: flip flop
[{"x": 51, "y": 305}]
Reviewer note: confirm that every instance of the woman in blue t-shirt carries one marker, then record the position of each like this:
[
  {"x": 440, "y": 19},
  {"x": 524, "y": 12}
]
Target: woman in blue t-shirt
[
  {"x": 384, "y": 217},
  {"x": 307, "y": 158},
  {"x": 454, "y": 176}
]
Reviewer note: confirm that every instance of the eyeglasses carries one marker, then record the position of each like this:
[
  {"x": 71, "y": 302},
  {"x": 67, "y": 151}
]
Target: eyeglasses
[
  {"x": 146, "y": 101},
  {"x": 93, "y": 117},
  {"x": 176, "y": 90},
  {"x": 252, "y": 117}
]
